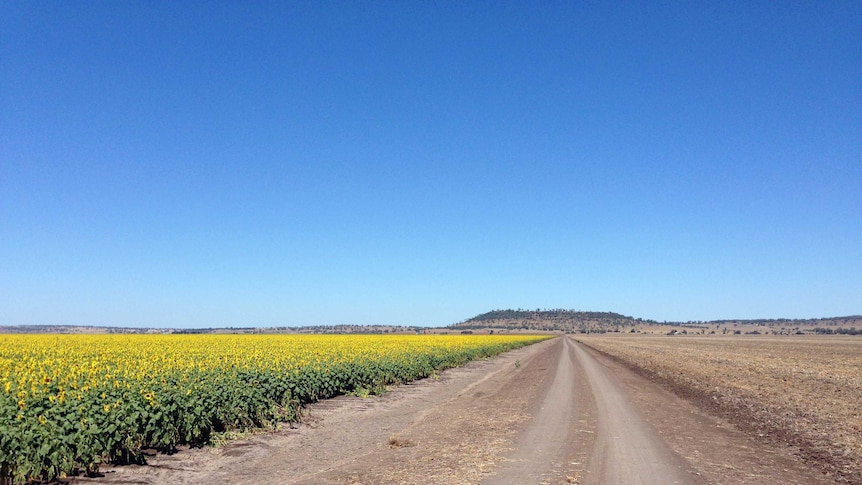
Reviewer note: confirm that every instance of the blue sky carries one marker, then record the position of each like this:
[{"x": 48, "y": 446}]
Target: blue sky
[{"x": 197, "y": 164}]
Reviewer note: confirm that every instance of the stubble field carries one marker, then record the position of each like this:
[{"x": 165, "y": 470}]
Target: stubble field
[{"x": 805, "y": 392}]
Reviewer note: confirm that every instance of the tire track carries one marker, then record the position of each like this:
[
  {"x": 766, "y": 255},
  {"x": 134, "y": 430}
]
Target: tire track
[
  {"x": 546, "y": 449},
  {"x": 627, "y": 449}
]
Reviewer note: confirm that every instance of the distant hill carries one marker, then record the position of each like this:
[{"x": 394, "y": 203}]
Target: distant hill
[{"x": 572, "y": 321}]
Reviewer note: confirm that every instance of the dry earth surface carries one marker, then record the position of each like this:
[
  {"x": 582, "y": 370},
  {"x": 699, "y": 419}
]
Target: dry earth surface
[
  {"x": 553, "y": 412},
  {"x": 805, "y": 392}
]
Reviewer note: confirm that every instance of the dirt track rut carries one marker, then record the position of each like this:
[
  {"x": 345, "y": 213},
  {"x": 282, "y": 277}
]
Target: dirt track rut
[{"x": 627, "y": 450}]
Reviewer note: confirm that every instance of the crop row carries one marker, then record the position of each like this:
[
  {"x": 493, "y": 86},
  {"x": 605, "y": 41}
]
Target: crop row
[{"x": 72, "y": 402}]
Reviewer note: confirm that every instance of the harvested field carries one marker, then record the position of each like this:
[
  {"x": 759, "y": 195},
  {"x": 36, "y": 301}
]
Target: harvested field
[{"x": 804, "y": 392}]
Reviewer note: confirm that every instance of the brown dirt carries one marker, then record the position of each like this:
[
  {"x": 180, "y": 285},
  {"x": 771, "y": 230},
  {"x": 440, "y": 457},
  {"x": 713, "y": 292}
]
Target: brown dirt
[
  {"x": 553, "y": 412},
  {"x": 804, "y": 394}
]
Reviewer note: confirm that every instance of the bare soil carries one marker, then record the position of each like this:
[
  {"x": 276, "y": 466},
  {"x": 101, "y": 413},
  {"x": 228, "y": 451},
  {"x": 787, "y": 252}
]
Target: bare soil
[
  {"x": 553, "y": 412},
  {"x": 801, "y": 392}
]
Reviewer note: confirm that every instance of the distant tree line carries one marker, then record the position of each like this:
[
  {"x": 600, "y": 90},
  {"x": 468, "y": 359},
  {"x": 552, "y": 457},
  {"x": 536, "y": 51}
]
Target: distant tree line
[{"x": 837, "y": 331}]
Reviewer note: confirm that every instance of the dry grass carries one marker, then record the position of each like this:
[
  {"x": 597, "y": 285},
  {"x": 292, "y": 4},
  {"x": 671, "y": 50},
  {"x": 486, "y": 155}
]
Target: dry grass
[{"x": 802, "y": 391}]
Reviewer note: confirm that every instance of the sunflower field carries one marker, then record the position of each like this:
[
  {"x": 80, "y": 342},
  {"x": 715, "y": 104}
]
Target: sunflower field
[{"x": 72, "y": 402}]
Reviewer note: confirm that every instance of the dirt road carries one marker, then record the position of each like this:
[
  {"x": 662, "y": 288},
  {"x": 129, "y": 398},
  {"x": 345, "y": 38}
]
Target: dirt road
[
  {"x": 554, "y": 412},
  {"x": 624, "y": 451}
]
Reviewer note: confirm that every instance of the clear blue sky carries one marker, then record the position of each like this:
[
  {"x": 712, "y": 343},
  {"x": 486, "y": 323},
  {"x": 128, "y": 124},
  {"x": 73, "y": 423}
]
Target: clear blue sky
[{"x": 196, "y": 164}]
